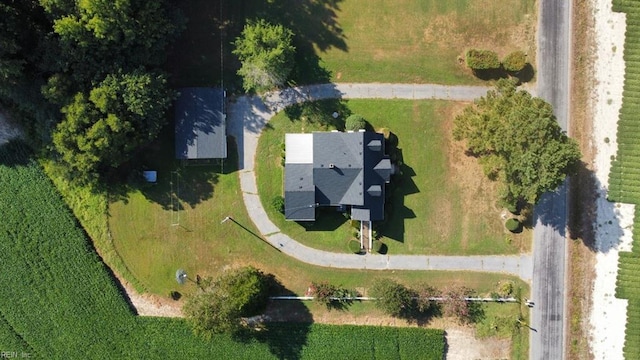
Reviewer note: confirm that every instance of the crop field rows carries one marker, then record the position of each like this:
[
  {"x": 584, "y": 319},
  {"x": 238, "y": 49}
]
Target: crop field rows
[{"x": 624, "y": 178}]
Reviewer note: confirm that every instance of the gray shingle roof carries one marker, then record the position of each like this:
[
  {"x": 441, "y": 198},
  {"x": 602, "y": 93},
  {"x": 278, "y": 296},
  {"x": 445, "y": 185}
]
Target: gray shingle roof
[
  {"x": 200, "y": 124},
  {"x": 348, "y": 169}
]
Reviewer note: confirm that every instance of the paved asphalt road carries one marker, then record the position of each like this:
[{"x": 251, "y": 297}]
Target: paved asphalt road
[{"x": 548, "y": 321}]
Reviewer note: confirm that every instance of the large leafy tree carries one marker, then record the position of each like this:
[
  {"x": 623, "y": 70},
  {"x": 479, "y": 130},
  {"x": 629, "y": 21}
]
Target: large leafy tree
[
  {"x": 266, "y": 53},
  {"x": 221, "y": 305},
  {"x": 99, "y": 37},
  {"x": 62, "y": 48},
  {"x": 518, "y": 142},
  {"x": 101, "y": 130}
]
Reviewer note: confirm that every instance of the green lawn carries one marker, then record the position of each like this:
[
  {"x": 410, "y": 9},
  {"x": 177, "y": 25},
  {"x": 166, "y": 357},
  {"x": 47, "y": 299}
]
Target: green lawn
[
  {"x": 406, "y": 41},
  {"x": 419, "y": 41},
  {"x": 438, "y": 206},
  {"x": 153, "y": 249},
  {"x": 66, "y": 304}
]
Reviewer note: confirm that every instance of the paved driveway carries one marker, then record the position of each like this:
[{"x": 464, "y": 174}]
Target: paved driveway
[{"x": 247, "y": 116}]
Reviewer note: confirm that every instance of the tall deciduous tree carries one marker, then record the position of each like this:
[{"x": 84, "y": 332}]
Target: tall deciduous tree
[
  {"x": 100, "y": 36},
  {"x": 518, "y": 142},
  {"x": 266, "y": 53},
  {"x": 100, "y": 131},
  {"x": 220, "y": 307}
]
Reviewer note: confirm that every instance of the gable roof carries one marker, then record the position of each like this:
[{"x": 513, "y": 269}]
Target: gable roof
[
  {"x": 341, "y": 168},
  {"x": 200, "y": 127}
]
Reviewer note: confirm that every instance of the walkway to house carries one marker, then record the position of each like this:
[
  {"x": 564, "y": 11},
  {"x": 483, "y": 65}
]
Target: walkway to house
[
  {"x": 248, "y": 115},
  {"x": 364, "y": 236}
]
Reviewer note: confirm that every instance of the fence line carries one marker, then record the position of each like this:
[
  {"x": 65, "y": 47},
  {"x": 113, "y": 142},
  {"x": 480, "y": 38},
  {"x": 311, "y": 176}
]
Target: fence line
[{"x": 367, "y": 298}]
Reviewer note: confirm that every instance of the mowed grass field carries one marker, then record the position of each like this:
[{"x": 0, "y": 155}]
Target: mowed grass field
[
  {"x": 400, "y": 41},
  {"x": 153, "y": 249},
  {"x": 420, "y": 41},
  {"x": 441, "y": 204}
]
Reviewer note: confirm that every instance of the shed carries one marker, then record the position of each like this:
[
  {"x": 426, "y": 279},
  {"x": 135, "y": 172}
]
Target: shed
[{"x": 200, "y": 124}]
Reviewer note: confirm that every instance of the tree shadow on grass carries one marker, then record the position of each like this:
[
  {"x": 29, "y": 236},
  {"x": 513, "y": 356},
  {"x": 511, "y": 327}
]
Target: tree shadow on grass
[
  {"x": 525, "y": 75},
  {"x": 313, "y": 22},
  {"x": 179, "y": 184},
  {"x": 321, "y": 112},
  {"x": 491, "y": 74},
  {"x": 288, "y": 326}
]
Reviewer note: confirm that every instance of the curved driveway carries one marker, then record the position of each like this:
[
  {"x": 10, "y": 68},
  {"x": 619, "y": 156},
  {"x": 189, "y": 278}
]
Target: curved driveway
[{"x": 247, "y": 116}]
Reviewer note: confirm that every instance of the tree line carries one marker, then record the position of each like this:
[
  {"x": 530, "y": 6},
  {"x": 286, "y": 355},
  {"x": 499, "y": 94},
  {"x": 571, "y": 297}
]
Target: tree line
[{"x": 85, "y": 78}]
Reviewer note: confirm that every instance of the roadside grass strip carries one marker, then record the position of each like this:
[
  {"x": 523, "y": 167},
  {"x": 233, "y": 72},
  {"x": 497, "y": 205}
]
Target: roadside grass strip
[{"x": 624, "y": 178}]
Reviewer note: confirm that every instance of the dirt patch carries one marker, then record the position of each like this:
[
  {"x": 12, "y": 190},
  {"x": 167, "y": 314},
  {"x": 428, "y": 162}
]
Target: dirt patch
[
  {"x": 463, "y": 345},
  {"x": 151, "y": 305}
]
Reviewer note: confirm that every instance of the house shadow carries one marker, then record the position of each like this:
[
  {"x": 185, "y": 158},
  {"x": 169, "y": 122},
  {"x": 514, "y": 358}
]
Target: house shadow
[
  {"x": 396, "y": 212},
  {"x": 287, "y": 327},
  {"x": 327, "y": 219}
]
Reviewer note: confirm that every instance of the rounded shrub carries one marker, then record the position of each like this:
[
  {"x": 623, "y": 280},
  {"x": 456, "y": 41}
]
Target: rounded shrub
[
  {"x": 354, "y": 247},
  {"x": 355, "y": 122},
  {"x": 277, "y": 203},
  {"x": 512, "y": 225},
  {"x": 482, "y": 59},
  {"x": 515, "y": 62}
]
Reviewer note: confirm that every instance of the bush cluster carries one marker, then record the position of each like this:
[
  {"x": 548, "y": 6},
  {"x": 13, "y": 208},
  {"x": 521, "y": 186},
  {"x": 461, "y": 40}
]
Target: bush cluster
[
  {"x": 515, "y": 62},
  {"x": 477, "y": 59},
  {"x": 355, "y": 122},
  {"x": 512, "y": 224},
  {"x": 482, "y": 59},
  {"x": 277, "y": 203}
]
